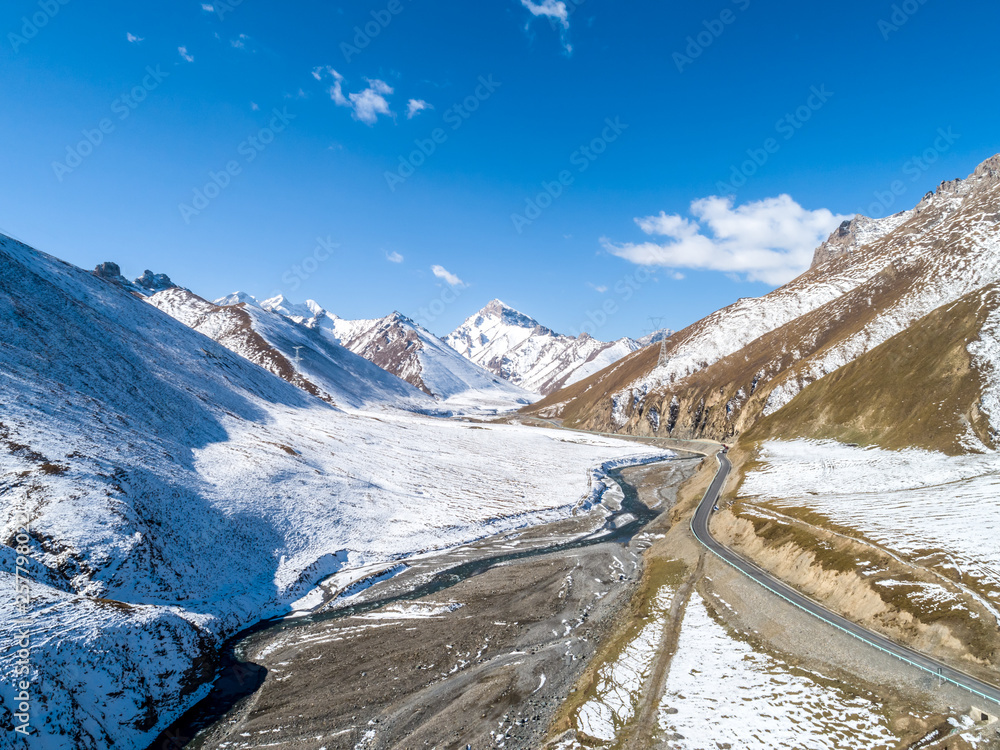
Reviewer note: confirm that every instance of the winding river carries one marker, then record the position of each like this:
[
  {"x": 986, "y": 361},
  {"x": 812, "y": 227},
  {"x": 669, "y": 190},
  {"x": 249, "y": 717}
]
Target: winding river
[{"x": 238, "y": 678}]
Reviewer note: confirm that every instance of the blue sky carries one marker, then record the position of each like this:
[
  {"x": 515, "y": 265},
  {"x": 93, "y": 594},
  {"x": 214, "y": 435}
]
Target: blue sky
[{"x": 591, "y": 163}]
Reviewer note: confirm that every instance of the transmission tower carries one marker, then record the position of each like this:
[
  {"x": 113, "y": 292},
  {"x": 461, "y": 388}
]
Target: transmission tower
[
  {"x": 657, "y": 323},
  {"x": 662, "y": 362}
]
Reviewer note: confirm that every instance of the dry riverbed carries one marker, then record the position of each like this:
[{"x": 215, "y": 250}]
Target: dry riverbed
[{"x": 485, "y": 662}]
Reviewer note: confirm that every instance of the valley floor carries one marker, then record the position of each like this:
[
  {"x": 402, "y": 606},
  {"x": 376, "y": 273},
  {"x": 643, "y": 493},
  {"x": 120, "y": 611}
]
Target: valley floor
[
  {"x": 485, "y": 662},
  {"x": 651, "y": 643}
]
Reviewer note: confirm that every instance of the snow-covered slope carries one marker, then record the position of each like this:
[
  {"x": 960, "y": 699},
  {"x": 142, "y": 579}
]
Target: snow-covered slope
[
  {"x": 873, "y": 280},
  {"x": 298, "y": 353},
  {"x": 399, "y": 346},
  {"x": 173, "y": 492},
  {"x": 519, "y": 349}
]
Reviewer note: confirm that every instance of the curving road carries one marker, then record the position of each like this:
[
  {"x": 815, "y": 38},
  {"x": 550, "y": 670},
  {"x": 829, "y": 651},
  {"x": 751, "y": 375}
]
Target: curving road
[{"x": 699, "y": 525}]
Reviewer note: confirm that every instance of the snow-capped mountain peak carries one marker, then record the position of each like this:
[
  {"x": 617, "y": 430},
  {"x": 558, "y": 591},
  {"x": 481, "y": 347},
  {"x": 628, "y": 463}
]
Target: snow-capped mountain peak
[
  {"x": 299, "y": 313},
  {"x": 237, "y": 298},
  {"x": 519, "y": 349},
  {"x": 506, "y": 314},
  {"x": 400, "y": 346}
]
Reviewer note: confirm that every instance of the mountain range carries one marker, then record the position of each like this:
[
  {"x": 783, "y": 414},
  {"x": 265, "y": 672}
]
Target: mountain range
[
  {"x": 498, "y": 360},
  {"x": 174, "y": 473},
  {"x": 886, "y": 338},
  {"x": 183, "y": 468},
  {"x": 519, "y": 349}
]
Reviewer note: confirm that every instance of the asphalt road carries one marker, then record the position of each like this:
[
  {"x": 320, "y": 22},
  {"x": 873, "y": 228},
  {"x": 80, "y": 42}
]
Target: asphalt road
[{"x": 699, "y": 525}]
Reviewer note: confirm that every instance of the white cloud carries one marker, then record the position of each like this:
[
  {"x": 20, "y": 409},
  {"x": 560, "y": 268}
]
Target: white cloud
[
  {"x": 558, "y": 14},
  {"x": 133, "y": 38},
  {"x": 208, "y": 8},
  {"x": 599, "y": 288},
  {"x": 394, "y": 257},
  {"x": 371, "y": 102},
  {"x": 240, "y": 42},
  {"x": 553, "y": 9},
  {"x": 254, "y": 106},
  {"x": 415, "y": 107},
  {"x": 366, "y": 105},
  {"x": 184, "y": 53},
  {"x": 770, "y": 240},
  {"x": 442, "y": 273}
]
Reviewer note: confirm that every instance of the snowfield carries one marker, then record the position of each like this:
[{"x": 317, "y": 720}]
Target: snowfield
[
  {"x": 619, "y": 690},
  {"x": 176, "y": 492},
  {"x": 915, "y": 503},
  {"x": 722, "y": 693}
]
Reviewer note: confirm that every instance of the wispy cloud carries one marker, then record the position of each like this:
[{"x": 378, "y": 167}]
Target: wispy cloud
[
  {"x": 133, "y": 38},
  {"x": 443, "y": 273},
  {"x": 208, "y": 7},
  {"x": 557, "y": 13},
  {"x": 415, "y": 106},
  {"x": 183, "y": 52},
  {"x": 770, "y": 240},
  {"x": 599, "y": 288},
  {"x": 240, "y": 42},
  {"x": 554, "y": 9},
  {"x": 394, "y": 257},
  {"x": 367, "y": 104}
]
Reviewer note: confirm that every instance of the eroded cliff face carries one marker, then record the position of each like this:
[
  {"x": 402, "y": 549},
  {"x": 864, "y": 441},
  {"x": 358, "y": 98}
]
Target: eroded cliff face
[{"x": 823, "y": 566}]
